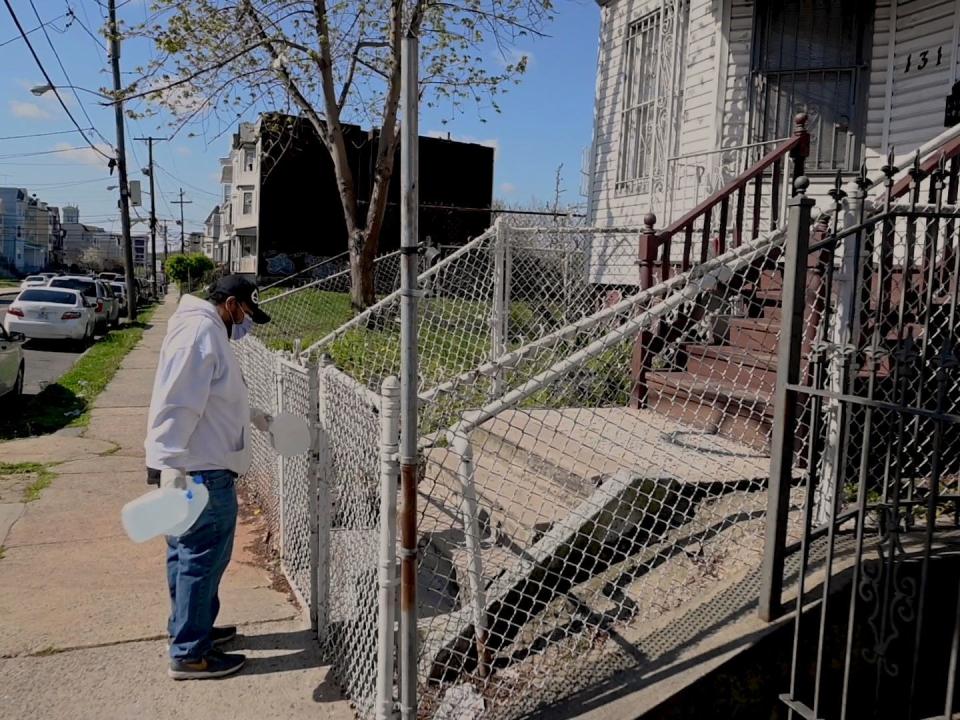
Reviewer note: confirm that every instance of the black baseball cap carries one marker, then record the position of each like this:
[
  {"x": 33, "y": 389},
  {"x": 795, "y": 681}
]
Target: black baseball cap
[{"x": 245, "y": 291}]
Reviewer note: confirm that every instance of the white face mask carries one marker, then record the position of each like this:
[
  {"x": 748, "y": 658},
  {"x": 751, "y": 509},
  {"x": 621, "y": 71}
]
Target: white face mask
[{"x": 243, "y": 329}]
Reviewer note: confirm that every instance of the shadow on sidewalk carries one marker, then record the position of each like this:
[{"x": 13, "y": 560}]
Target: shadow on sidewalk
[{"x": 286, "y": 652}]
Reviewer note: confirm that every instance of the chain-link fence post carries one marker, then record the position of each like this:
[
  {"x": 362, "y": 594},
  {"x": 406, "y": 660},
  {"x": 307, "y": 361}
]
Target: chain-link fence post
[
  {"x": 389, "y": 474},
  {"x": 277, "y": 368},
  {"x": 500, "y": 307},
  {"x": 324, "y": 474},
  {"x": 471, "y": 530},
  {"x": 313, "y": 489},
  {"x": 785, "y": 401}
]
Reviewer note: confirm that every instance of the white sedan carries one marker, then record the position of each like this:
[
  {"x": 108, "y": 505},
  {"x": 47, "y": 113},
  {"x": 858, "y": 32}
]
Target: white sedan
[
  {"x": 47, "y": 313},
  {"x": 12, "y": 366},
  {"x": 34, "y": 281}
]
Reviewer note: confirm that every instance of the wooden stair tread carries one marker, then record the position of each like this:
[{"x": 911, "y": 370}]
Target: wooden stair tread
[
  {"x": 764, "y": 361},
  {"x": 713, "y": 389}
]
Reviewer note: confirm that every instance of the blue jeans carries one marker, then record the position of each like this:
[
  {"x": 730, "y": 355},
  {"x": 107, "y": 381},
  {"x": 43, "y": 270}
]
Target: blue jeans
[{"x": 196, "y": 562}]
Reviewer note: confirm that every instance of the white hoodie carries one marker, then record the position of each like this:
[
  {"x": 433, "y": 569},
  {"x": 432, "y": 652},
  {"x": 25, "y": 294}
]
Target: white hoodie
[{"x": 200, "y": 410}]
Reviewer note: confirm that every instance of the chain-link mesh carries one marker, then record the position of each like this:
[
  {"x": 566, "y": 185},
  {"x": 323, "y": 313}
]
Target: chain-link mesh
[
  {"x": 295, "y": 485},
  {"x": 499, "y": 291},
  {"x": 595, "y": 454},
  {"x": 620, "y": 465},
  {"x": 259, "y": 366},
  {"x": 310, "y": 311},
  {"x": 349, "y": 418}
]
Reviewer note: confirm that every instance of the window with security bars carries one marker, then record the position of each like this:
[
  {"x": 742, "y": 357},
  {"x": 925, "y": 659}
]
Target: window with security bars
[
  {"x": 809, "y": 56},
  {"x": 653, "y": 83},
  {"x": 640, "y": 99}
]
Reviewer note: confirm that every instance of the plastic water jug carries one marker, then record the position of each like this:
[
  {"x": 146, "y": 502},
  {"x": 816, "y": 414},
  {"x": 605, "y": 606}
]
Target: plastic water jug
[
  {"x": 154, "y": 513},
  {"x": 197, "y": 497}
]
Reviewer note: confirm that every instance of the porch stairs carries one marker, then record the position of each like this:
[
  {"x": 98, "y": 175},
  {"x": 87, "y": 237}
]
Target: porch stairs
[{"x": 726, "y": 387}]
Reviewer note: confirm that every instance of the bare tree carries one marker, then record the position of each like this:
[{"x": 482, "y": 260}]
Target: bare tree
[{"x": 332, "y": 62}]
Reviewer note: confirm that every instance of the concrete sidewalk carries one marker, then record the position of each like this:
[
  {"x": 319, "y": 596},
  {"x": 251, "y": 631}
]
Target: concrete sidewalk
[{"x": 83, "y": 610}]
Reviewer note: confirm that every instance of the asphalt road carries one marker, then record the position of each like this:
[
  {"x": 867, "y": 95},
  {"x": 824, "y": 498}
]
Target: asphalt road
[{"x": 45, "y": 361}]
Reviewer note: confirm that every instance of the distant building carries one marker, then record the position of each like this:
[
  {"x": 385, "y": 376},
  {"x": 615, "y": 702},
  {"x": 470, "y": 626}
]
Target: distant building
[
  {"x": 71, "y": 214},
  {"x": 195, "y": 242},
  {"x": 211, "y": 239},
  {"x": 281, "y": 209}
]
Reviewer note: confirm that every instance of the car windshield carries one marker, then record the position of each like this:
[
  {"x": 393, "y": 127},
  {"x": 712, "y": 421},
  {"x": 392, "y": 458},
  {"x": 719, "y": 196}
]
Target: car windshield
[
  {"x": 48, "y": 296},
  {"x": 87, "y": 287},
  {"x": 118, "y": 287}
]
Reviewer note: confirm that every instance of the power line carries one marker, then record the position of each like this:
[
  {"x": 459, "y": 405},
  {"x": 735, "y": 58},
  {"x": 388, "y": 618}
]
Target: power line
[
  {"x": 98, "y": 41},
  {"x": 66, "y": 75},
  {"x": 46, "y": 76},
  {"x": 184, "y": 182},
  {"x": 41, "y": 152},
  {"x": 30, "y": 32},
  {"x": 44, "y": 134}
]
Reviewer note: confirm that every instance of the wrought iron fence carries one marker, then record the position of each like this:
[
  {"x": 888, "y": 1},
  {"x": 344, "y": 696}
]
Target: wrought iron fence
[{"x": 878, "y": 476}]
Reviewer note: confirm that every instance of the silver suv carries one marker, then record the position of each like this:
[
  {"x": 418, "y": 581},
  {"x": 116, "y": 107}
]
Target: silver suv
[{"x": 106, "y": 308}]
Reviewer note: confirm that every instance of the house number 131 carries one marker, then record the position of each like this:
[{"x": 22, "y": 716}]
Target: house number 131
[{"x": 923, "y": 60}]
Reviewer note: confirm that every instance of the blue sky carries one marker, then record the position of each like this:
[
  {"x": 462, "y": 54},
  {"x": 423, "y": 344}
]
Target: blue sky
[{"x": 545, "y": 121}]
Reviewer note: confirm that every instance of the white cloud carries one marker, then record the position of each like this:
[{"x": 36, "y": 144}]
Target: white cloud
[
  {"x": 488, "y": 142},
  {"x": 85, "y": 155},
  {"x": 183, "y": 151},
  {"x": 508, "y": 188},
  {"x": 27, "y": 110}
]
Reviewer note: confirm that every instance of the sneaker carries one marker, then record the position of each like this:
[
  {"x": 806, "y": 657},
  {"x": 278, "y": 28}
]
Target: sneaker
[
  {"x": 218, "y": 636},
  {"x": 215, "y": 665}
]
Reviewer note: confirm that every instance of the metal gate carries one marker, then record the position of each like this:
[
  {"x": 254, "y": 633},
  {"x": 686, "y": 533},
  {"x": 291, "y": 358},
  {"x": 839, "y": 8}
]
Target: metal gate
[{"x": 867, "y": 421}]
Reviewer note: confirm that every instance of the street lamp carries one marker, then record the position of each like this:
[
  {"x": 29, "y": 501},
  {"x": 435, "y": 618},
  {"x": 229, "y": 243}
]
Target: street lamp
[{"x": 39, "y": 90}]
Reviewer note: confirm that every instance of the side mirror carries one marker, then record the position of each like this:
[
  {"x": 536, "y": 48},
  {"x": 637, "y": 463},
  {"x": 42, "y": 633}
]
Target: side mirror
[{"x": 18, "y": 337}]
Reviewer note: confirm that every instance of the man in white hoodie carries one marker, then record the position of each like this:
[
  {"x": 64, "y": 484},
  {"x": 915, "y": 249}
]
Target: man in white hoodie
[{"x": 198, "y": 427}]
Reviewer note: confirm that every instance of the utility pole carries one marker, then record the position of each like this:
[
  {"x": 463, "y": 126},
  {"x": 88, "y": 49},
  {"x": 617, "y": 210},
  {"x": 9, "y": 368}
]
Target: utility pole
[
  {"x": 153, "y": 211},
  {"x": 181, "y": 202},
  {"x": 122, "y": 165}
]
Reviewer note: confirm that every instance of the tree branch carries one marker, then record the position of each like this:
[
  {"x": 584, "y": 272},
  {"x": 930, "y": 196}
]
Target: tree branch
[{"x": 354, "y": 60}]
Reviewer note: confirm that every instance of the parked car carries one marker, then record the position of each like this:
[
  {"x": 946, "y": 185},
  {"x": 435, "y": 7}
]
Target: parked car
[
  {"x": 47, "y": 313},
  {"x": 120, "y": 290},
  {"x": 109, "y": 276},
  {"x": 112, "y": 302},
  {"x": 12, "y": 365},
  {"x": 93, "y": 290},
  {"x": 33, "y": 281},
  {"x": 49, "y": 275}
]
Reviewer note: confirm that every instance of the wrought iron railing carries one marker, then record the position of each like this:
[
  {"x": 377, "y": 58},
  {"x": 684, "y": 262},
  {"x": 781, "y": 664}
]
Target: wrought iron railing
[{"x": 876, "y": 608}]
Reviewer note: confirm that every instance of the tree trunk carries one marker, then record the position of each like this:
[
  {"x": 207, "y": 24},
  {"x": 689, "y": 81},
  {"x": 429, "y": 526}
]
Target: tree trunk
[{"x": 363, "y": 252}]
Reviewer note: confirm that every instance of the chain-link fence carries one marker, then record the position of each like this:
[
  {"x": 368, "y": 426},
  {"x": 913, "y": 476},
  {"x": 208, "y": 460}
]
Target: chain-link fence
[
  {"x": 305, "y": 312},
  {"x": 593, "y": 464}
]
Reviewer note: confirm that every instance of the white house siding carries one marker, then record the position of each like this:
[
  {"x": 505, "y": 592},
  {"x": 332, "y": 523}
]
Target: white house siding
[
  {"x": 734, "y": 121},
  {"x": 697, "y": 126},
  {"x": 905, "y": 109}
]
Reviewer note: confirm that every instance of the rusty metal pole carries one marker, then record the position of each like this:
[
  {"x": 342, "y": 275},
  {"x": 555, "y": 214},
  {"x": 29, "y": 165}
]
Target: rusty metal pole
[{"x": 409, "y": 209}]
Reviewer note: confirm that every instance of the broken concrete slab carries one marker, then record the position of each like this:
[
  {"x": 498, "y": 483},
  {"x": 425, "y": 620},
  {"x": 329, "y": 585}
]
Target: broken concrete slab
[{"x": 624, "y": 508}]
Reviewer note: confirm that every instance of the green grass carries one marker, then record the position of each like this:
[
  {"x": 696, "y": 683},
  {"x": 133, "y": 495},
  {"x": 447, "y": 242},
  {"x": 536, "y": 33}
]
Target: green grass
[
  {"x": 67, "y": 402},
  {"x": 44, "y": 477},
  {"x": 9, "y": 284},
  {"x": 308, "y": 315}
]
